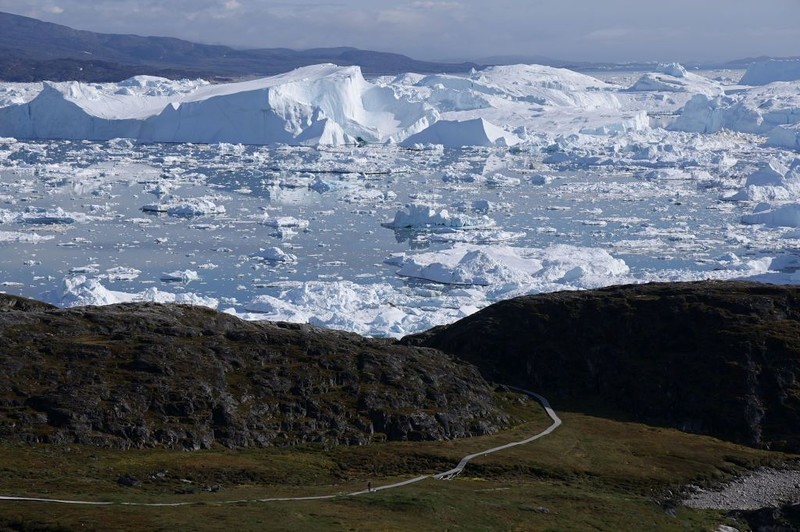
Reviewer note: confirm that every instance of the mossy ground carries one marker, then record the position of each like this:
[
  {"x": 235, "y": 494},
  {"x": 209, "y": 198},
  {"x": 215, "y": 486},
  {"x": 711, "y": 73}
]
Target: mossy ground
[{"x": 590, "y": 474}]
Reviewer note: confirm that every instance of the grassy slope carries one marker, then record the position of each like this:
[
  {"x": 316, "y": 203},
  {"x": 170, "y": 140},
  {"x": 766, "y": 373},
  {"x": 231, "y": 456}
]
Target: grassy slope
[{"x": 591, "y": 474}]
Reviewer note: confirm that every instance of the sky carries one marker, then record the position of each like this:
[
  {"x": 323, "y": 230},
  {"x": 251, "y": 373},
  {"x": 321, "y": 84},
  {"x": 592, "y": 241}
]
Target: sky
[{"x": 575, "y": 30}]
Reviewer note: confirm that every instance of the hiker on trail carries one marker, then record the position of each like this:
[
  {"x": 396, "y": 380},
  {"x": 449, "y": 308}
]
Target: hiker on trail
[{"x": 369, "y": 486}]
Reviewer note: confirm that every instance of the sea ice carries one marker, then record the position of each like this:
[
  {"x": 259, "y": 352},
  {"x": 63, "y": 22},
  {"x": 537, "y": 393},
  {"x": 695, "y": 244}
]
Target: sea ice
[
  {"x": 767, "y": 71},
  {"x": 274, "y": 254},
  {"x": 783, "y": 216},
  {"x": 512, "y": 271},
  {"x": 426, "y": 217},
  {"x": 180, "y": 276},
  {"x": 541, "y": 179}
]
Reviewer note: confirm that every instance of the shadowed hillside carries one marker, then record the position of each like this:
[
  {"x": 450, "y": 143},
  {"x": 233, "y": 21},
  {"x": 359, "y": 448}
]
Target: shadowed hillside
[
  {"x": 718, "y": 358},
  {"x": 188, "y": 377}
]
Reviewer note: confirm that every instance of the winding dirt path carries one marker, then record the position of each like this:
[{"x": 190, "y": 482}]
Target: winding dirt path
[{"x": 445, "y": 475}]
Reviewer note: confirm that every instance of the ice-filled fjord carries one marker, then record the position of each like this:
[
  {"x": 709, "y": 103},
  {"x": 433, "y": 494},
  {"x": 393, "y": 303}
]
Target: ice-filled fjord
[{"x": 390, "y": 205}]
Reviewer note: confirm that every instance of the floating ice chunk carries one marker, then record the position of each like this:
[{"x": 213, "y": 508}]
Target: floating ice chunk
[
  {"x": 195, "y": 208},
  {"x": 760, "y": 110},
  {"x": 325, "y": 185},
  {"x": 666, "y": 174},
  {"x": 481, "y": 206},
  {"x": 422, "y": 216},
  {"x": 673, "y": 77},
  {"x": 783, "y": 216},
  {"x": 452, "y": 177},
  {"x": 159, "y": 189},
  {"x": 180, "y": 276},
  {"x": 186, "y": 207},
  {"x": 477, "y": 237},
  {"x": 122, "y": 273},
  {"x": 279, "y": 222},
  {"x": 456, "y": 134},
  {"x": 375, "y": 309},
  {"x": 769, "y": 183},
  {"x": 274, "y": 254},
  {"x": 341, "y": 305},
  {"x": 771, "y": 70},
  {"x": 80, "y": 290},
  {"x": 785, "y": 262},
  {"x": 770, "y": 173},
  {"x": 509, "y": 270},
  {"x": 788, "y": 192},
  {"x": 785, "y": 136},
  {"x": 500, "y": 180},
  {"x": 28, "y": 238},
  {"x": 39, "y": 216},
  {"x": 673, "y": 69},
  {"x": 318, "y": 104},
  {"x": 471, "y": 266},
  {"x": 188, "y": 298},
  {"x": 88, "y": 269}
]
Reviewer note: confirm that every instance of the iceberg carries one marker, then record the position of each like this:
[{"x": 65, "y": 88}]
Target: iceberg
[
  {"x": 783, "y": 216},
  {"x": 508, "y": 271},
  {"x": 673, "y": 77},
  {"x": 325, "y": 105},
  {"x": 770, "y": 70},
  {"x": 457, "y": 133},
  {"x": 320, "y": 104},
  {"x": 759, "y": 110},
  {"x": 426, "y": 217}
]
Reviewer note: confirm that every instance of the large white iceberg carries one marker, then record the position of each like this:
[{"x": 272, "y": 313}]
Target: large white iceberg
[
  {"x": 767, "y": 71},
  {"x": 759, "y": 110},
  {"x": 321, "y": 104},
  {"x": 426, "y": 217},
  {"x": 325, "y": 105},
  {"x": 508, "y": 271},
  {"x": 457, "y": 133},
  {"x": 673, "y": 77}
]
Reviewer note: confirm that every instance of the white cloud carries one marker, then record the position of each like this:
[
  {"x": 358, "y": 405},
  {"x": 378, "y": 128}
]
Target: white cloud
[{"x": 232, "y": 5}]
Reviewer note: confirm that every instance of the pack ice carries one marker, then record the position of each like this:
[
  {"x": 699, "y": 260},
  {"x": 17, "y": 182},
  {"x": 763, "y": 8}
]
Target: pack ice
[{"x": 390, "y": 205}]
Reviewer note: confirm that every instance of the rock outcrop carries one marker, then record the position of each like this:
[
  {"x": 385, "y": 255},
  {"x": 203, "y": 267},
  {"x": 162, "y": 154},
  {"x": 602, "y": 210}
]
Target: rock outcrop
[
  {"x": 136, "y": 375},
  {"x": 717, "y": 358}
]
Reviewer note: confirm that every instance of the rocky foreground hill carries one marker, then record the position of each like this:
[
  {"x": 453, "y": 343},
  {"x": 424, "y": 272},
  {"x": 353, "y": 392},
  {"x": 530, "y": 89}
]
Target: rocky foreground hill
[
  {"x": 718, "y": 358},
  {"x": 138, "y": 375}
]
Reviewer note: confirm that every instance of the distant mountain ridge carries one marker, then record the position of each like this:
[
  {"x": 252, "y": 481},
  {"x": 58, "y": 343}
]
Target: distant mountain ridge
[{"x": 33, "y": 50}]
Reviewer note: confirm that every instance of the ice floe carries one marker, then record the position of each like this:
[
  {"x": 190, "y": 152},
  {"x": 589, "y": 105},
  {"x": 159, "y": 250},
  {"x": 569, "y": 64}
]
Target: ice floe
[
  {"x": 80, "y": 290},
  {"x": 766, "y": 71},
  {"x": 421, "y": 216}
]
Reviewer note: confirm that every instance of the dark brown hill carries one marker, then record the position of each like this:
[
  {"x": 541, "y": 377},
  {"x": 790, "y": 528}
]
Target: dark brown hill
[
  {"x": 187, "y": 377},
  {"x": 718, "y": 358}
]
